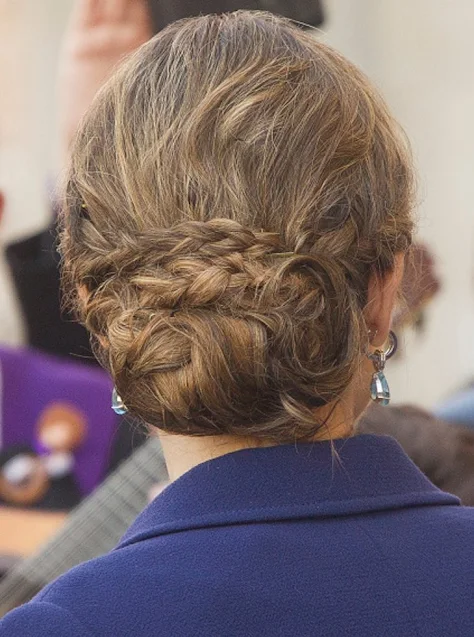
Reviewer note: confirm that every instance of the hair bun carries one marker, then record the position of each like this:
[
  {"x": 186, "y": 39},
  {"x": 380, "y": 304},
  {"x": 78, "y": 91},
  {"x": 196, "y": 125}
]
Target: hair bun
[
  {"x": 209, "y": 324},
  {"x": 214, "y": 322}
]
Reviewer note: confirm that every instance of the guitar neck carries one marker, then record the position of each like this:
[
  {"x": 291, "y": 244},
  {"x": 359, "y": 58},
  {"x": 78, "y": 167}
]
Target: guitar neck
[{"x": 92, "y": 529}]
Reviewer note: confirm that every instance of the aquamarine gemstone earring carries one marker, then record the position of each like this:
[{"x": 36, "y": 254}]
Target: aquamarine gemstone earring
[
  {"x": 117, "y": 404},
  {"x": 379, "y": 389}
]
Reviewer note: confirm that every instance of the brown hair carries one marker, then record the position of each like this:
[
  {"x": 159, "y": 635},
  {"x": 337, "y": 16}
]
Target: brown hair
[{"x": 230, "y": 192}]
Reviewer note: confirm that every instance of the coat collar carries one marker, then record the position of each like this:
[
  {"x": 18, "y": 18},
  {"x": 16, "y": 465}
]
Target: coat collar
[{"x": 368, "y": 473}]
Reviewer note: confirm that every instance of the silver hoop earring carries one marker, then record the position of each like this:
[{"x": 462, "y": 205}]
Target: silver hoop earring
[
  {"x": 379, "y": 388},
  {"x": 118, "y": 405}
]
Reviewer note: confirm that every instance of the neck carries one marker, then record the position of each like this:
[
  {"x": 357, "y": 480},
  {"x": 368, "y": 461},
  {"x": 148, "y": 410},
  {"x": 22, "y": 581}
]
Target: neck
[{"x": 182, "y": 453}]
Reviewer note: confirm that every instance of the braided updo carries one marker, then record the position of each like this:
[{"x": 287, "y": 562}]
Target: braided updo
[{"x": 230, "y": 193}]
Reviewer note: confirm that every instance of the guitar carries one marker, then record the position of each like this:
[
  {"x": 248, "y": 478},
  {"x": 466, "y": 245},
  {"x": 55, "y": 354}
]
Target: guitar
[{"x": 94, "y": 527}]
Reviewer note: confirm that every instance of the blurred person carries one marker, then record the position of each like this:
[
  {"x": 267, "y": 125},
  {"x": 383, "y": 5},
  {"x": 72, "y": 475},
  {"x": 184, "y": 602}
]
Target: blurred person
[
  {"x": 236, "y": 247},
  {"x": 443, "y": 451},
  {"x": 100, "y": 33},
  {"x": 46, "y": 408}
]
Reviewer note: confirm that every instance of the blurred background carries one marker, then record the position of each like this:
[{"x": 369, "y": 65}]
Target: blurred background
[
  {"x": 418, "y": 53},
  {"x": 65, "y": 458}
]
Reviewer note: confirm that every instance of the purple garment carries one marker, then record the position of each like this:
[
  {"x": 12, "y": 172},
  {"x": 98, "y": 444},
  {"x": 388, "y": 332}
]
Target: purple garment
[{"x": 31, "y": 382}]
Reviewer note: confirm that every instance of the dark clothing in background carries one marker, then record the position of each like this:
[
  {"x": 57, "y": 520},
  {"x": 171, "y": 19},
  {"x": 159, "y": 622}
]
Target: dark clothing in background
[
  {"x": 34, "y": 266},
  {"x": 308, "y": 11},
  {"x": 293, "y": 540}
]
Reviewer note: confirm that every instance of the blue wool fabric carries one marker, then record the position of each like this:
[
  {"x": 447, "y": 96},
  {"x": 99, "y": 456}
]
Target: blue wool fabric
[{"x": 298, "y": 540}]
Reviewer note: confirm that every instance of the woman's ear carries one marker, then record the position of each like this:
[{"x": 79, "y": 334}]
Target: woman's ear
[{"x": 382, "y": 297}]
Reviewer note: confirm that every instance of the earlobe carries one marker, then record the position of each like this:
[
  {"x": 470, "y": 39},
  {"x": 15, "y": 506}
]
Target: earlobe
[{"x": 382, "y": 297}]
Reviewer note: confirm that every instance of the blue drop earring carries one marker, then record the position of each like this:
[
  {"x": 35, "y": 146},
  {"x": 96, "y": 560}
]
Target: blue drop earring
[
  {"x": 379, "y": 389},
  {"x": 117, "y": 404}
]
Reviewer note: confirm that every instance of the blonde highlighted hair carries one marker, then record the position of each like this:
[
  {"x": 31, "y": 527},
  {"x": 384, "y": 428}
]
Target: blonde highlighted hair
[{"x": 230, "y": 193}]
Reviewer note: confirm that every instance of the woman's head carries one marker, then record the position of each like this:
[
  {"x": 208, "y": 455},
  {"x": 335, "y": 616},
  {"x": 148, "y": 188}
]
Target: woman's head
[{"x": 232, "y": 193}]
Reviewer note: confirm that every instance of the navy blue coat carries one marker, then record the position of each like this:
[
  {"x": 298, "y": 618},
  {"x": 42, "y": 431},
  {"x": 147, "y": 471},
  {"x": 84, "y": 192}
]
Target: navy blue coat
[{"x": 291, "y": 541}]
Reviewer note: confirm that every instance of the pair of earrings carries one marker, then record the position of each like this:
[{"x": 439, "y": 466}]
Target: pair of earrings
[{"x": 379, "y": 389}]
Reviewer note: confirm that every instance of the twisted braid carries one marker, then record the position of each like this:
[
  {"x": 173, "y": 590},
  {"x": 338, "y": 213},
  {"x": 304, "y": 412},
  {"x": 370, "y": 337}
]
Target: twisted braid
[{"x": 202, "y": 292}]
